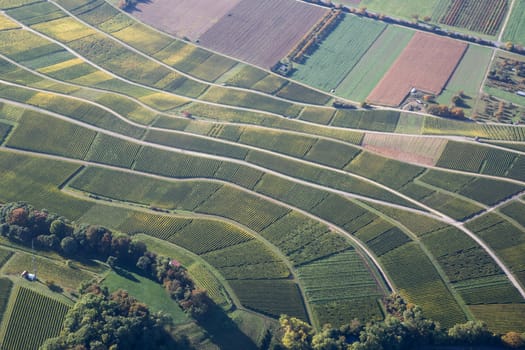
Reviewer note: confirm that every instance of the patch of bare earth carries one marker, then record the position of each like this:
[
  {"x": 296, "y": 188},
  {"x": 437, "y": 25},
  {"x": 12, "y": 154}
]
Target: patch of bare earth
[
  {"x": 426, "y": 64},
  {"x": 183, "y": 18},
  {"x": 262, "y": 31},
  {"x": 413, "y": 149}
]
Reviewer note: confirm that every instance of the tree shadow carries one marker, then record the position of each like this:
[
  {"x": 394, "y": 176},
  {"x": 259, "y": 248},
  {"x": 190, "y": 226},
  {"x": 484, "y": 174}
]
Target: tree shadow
[
  {"x": 224, "y": 332},
  {"x": 124, "y": 273}
]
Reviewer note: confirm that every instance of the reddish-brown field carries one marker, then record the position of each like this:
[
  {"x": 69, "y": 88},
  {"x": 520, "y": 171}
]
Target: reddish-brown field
[
  {"x": 426, "y": 64},
  {"x": 183, "y": 18},
  {"x": 412, "y": 149},
  {"x": 262, "y": 31}
]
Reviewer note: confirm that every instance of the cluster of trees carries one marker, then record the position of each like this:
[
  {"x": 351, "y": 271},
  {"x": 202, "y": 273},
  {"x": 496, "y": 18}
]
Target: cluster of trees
[
  {"x": 101, "y": 321},
  {"x": 23, "y": 224},
  {"x": 445, "y": 111},
  {"x": 404, "y": 327}
]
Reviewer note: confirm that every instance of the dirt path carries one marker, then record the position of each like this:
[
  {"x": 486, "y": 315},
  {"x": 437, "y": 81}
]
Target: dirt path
[
  {"x": 337, "y": 229},
  {"x": 495, "y": 207},
  {"x": 244, "y": 163},
  {"x": 332, "y": 226},
  {"x": 358, "y": 243}
]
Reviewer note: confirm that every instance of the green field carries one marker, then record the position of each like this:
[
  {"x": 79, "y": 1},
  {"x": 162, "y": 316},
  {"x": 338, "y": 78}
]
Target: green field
[
  {"x": 284, "y": 299},
  {"x": 48, "y": 270},
  {"x": 36, "y": 181},
  {"x": 55, "y": 136},
  {"x": 515, "y": 210},
  {"x": 418, "y": 281},
  {"x": 515, "y": 30},
  {"x": 468, "y": 77},
  {"x": 147, "y": 291},
  {"x": 338, "y": 53},
  {"x": 506, "y": 239},
  {"x": 365, "y": 75},
  {"x": 402, "y": 8},
  {"x": 501, "y": 318}
]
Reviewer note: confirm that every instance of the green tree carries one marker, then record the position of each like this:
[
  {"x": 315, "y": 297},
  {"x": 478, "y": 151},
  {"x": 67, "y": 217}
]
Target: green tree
[
  {"x": 471, "y": 332},
  {"x": 103, "y": 321}
]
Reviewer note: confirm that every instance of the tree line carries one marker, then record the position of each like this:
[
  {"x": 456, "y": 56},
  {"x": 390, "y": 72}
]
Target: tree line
[
  {"x": 404, "y": 327},
  {"x": 23, "y": 224}
]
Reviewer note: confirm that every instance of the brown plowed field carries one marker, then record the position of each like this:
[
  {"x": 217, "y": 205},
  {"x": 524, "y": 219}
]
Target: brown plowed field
[
  {"x": 262, "y": 31},
  {"x": 183, "y": 18},
  {"x": 426, "y": 64}
]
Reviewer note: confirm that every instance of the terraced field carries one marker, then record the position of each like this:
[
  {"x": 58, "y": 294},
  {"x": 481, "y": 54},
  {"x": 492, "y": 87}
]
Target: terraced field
[{"x": 277, "y": 201}]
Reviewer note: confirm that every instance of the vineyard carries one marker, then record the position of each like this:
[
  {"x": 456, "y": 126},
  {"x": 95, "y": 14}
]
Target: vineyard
[
  {"x": 515, "y": 30},
  {"x": 35, "y": 314},
  {"x": 506, "y": 239},
  {"x": 276, "y": 197},
  {"x": 5, "y": 291},
  {"x": 477, "y": 16},
  {"x": 342, "y": 283}
]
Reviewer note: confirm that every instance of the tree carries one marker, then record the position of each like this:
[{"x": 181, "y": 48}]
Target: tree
[
  {"x": 104, "y": 321},
  {"x": 69, "y": 246},
  {"x": 58, "y": 227},
  {"x": 144, "y": 263},
  {"x": 514, "y": 340},
  {"x": 328, "y": 339},
  {"x": 471, "y": 332},
  {"x": 48, "y": 241},
  {"x": 297, "y": 333},
  {"x": 18, "y": 216}
]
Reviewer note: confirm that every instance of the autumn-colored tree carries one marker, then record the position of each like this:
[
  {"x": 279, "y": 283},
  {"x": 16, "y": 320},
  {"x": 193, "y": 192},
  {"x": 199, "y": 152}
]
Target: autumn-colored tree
[
  {"x": 514, "y": 340},
  {"x": 18, "y": 217},
  {"x": 297, "y": 334}
]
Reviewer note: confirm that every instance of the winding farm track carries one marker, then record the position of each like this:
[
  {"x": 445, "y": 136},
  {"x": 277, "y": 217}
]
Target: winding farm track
[
  {"x": 336, "y": 228},
  {"x": 441, "y": 217},
  {"x": 432, "y": 212}
]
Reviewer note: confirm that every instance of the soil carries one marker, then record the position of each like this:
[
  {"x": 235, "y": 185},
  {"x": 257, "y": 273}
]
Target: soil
[{"x": 426, "y": 64}]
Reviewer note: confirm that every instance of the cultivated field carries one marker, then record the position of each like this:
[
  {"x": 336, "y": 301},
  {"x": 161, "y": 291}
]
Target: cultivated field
[
  {"x": 425, "y": 151},
  {"x": 484, "y": 16},
  {"x": 261, "y": 32},
  {"x": 274, "y": 206},
  {"x": 186, "y": 18},
  {"x": 338, "y": 53},
  {"x": 468, "y": 77},
  {"x": 32, "y": 313},
  {"x": 374, "y": 64},
  {"x": 401, "y": 8},
  {"x": 515, "y": 30},
  {"x": 425, "y": 64}
]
